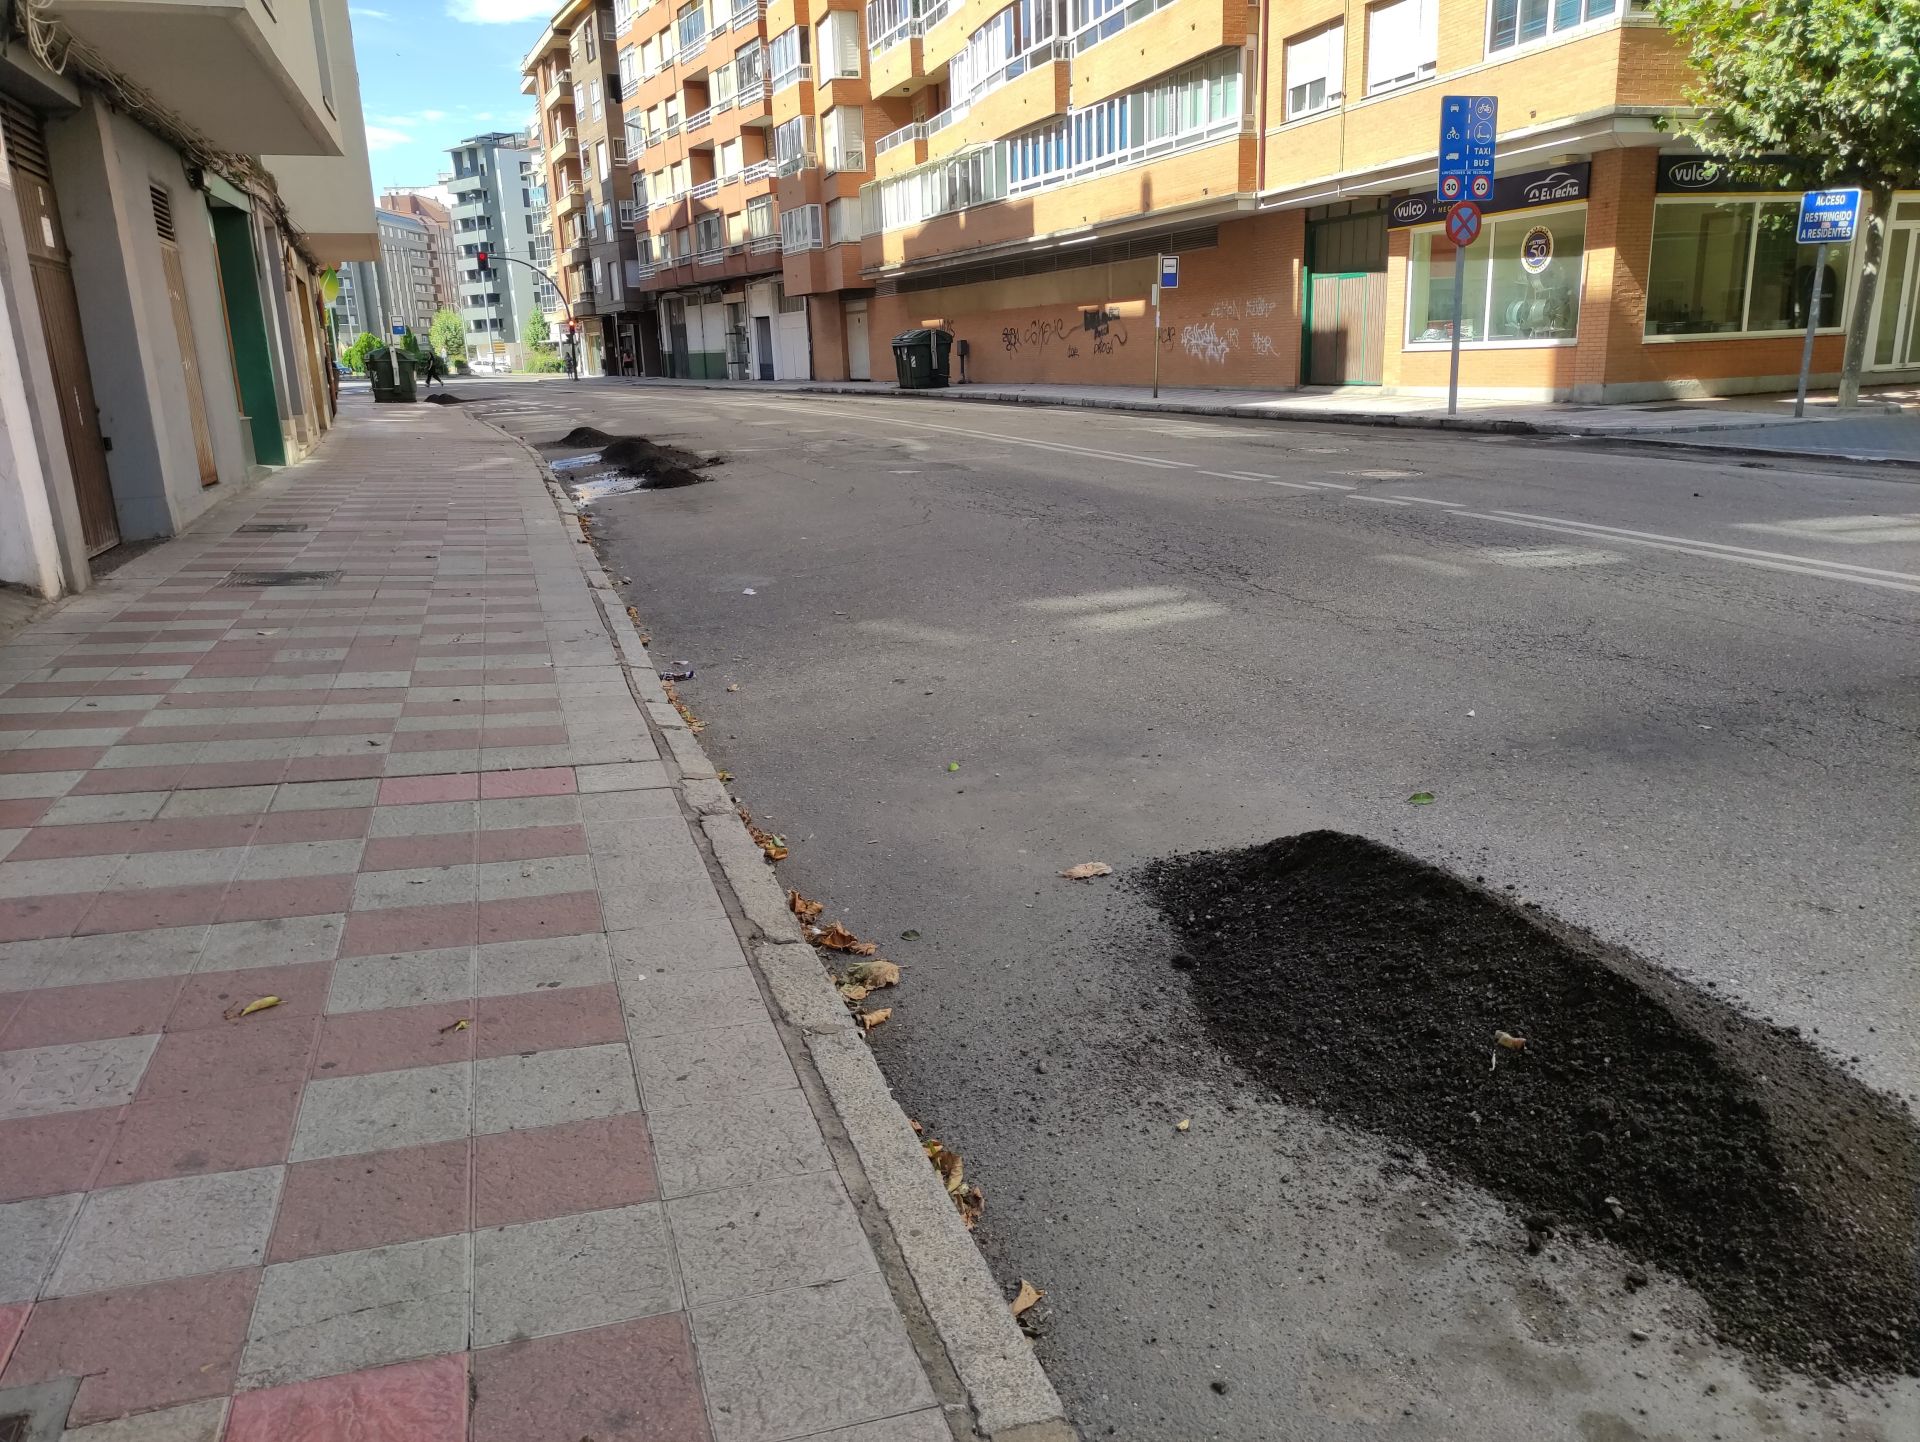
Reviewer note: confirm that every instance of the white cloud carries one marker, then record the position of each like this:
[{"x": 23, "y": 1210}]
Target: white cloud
[
  {"x": 381, "y": 137},
  {"x": 500, "y": 12},
  {"x": 361, "y": 12},
  {"x": 409, "y": 122}
]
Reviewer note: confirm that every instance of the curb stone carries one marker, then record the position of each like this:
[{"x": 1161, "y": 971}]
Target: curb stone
[{"x": 1011, "y": 1398}]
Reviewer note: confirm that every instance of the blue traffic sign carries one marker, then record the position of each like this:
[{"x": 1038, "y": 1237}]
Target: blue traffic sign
[
  {"x": 1829, "y": 217},
  {"x": 1469, "y": 131},
  {"x": 1169, "y": 272}
]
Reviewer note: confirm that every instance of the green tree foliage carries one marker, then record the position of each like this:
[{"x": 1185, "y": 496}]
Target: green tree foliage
[
  {"x": 1833, "y": 83},
  {"x": 355, "y": 357},
  {"x": 543, "y": 356},
  {"x": 448, "y": 335}
]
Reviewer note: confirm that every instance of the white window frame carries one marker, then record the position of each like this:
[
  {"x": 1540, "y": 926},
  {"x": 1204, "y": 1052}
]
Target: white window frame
[
  {"x": 1327, "y": 38},
  {"x": 800, "y": 228},
  {"x": 843, "y": 221},
  {"x": 1531, "y": 216},
  {"x": 1425, "y": 50},
  {"x": 1849, "y": 262},
  {"x": 1589, "y": 20}
]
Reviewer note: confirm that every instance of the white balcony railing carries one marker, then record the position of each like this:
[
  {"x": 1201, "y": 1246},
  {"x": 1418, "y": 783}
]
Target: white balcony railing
[
  {"x": 705, "y": 190},
  {"x": 794, "y": 164},
  {"x": 763, "y": 244},
  {"x": 747, "y": 12},
  {"x": 905, "y": 135},
  {"x": 699, "y": 118},
  {"x": 760, "y": 170},
  {"x": 712, "y": 256},
  {"x": 795, "y": 76}
]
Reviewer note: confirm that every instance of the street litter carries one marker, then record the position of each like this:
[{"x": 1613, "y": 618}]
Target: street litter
[
  {"x": 749, "y": 592},
  {"x": 1087, "y": 870},
  {"x": 234, "y": 1013},
  {"x": 683, "y": 671},
  {"x": 1420, "y": 798}
]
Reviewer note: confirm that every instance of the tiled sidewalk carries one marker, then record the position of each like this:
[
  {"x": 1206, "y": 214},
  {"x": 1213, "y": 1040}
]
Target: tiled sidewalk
[{"x": 519, "y": 1153}]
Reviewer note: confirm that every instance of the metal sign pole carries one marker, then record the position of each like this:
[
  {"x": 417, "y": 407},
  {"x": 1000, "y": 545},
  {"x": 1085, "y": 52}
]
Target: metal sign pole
[
  {"x": 1813, "y": 324},
  {"x": 1453, "y": 360},
  {"x": 1156, "y": 340}
]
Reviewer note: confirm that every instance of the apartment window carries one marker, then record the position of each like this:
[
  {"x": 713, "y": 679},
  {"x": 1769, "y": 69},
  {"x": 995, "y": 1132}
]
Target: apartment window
[
  {"x": 1037, "y": 155},
  {"x": 650, "y": 55},
  {"x": 840, "y": 43},
  {"x": 1315, "y": 64},
  {"x": 749, "y": 65},
  {"x": 1516, "y": 22},
  {"x": 600, "y": 166},
  {"x": 786, "y": 54},
  {"x": 1095, "y": 20},
  {"x": 592, "y": 52},
  {"x": 629, "y": 69},
  {"x": 800, "y": 228},
  {"x": 690, "y": 26},
  {"x": 843, "y": 221},
  {"x": 760, "y": 217},
  {"x": 320, "y": 53},
  {"x": 1734, "y": 267},
  {"x": 889, "y": 21},
  {"x": 593, "y": 100},
  {"x": 1009, "y": 44},
  {"x": 1403, "y": 43},
  {"x": 729, "y": 158},
  {"x": 1521, "y": 285},
  {"x": 683, "y": 241},
  {"x": 709, "y": 233},
  {"x": 843, "y": 134},
  {"x": 790, "y": 145}
]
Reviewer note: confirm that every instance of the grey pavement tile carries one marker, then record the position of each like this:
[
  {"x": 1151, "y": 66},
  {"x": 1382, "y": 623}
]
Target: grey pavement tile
[
  {"x": 929, "y": 1425},
  {"x": 153, "y": 753},
  {"x": 220, "y": 801},
  {"x": 30, "y": 1238},
  {"x": 621, "y": 775},
  {"x": 180, "y": 1227},
  {"x": 121, "y": 806},
  {"x": 412, "y": 978},
  {"x": 413, "y": 886},
  {"x": 340, "y": 1116},
  {"x": 11, "y": 837},
  {"x": 667, "y": 1003},
  {"x": 24, "y": 965},
  {"x": 585, "y": 1270},
  {"x": 276, "y": 941},
  {"x": 786, "y": 1364},
  {"x": 354, "y": 1310},
  {"x": 195, "y": 1422},
  {"x": 41, "y": 1407},
  {"x": 300, "y": 858},
  {"x": 34, "y": 784},
  {"x": 796, "y": 1232},
  {"x": 609, "y": 807},
  {"x": 536, "y": 876},
  {"x": 731, "y": 1141},
  {"x": 52, "y": 877},
  {"x": 148, "y": 870},
  {"x": 257, "y": 748},
  {"x": 695, "y": 1066},
  {"x": 542, "y": 1088},
  {"x": 127, "y": 955},
  {"x": 635, "y": 892},
  {"x": 327, "y": 795},
  {"x": 512, "y": 811},
  {"x": 432, "y": 763},
  {"x": 76, "y": 1076},
  {"x": 548, "y": 963},
  {"x": 431, "y": 818}
]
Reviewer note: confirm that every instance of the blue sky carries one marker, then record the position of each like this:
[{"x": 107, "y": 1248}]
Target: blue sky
[{"x": 435, "y": 71}]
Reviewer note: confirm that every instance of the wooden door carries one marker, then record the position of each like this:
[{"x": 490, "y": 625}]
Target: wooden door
[
  {"x": 183, "y": 335},
  {"x": 60, "y": 322},
  {"x": 859, "y": 365},
  {"x": 1346, "y": 328}
]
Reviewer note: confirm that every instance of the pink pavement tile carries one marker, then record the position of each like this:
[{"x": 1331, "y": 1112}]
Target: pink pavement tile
[
  {"x": 335, "y": 768},
  {"x": 631, "y": 1382},
  {"x": 153, "y": 907},
  {"x": 521, "y": 918},
  {"x": 412, "y": 1402},
  {"x": 556, "y": 1171},
  {"x": 30, "y": 918},
  {"x": 519, "y": 676},
  {"x": 196, "y": 1135},
  {"x": 413, "y": 790},
  {"x": 548, "y": 1020},
  {"x": 103, "y": 838},
  {"x": 114, "y": 780},
  {"x": 206, "y": 998},
  {"x": 49, "y": 758},
  {"x": 285, "y": 896},
  {"x": 539, "y": 781},
  {"x": 449, "y": 740},
  {"x": 24, "y": 811},
  {"x": 346, "y": 1204},
  {"x": 397, "y": 853},
  {"x": 211, "y": 775},
  {"x": 55, "y": 1015},
  {"x": 409, "y": 928},
  {"x": 141, "y": 1348},
  {"x": 261, "y": 1050},
  {"x": 526, "y": 843},
  {"x": 13, "y": 1321},
  {"x": 47, "y": 1156},
  {"x": 523, "y": 736},
  {"x": 359, "y": 1042}
]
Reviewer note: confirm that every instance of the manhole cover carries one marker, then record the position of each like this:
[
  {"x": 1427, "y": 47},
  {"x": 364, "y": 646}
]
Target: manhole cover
[
  {"x": 263, "y": 528},
  {"x": 278, "y": 578},
  {"x": 13, "y": 1428}
]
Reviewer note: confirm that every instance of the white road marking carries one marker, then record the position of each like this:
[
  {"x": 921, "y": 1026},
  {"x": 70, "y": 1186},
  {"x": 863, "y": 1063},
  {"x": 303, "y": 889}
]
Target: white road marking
[
  {"x": 1621, "y": 532},
  {"x": 1848, "y": 530},
  {"x": 1141, "y": 618},
  {"x": 1383, "y": 475},
  {"x": 1105, "y": 600},
  {"x": 1332, "y": 486},
  {"x": 1546, "y": 558},
  {"x": 1377, "y": 500},
  {"x": 1294, "y": 485},
  {"x": 1063, "y": 448},
  {"x": 1424, "y": 563},
  {"x": 1429, "y": 501}
]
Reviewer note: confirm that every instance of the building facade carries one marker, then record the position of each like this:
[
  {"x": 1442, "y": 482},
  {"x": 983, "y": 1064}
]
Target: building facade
[
  {"x": 406, "y": 273},
  {"x": 432, "y": 206},
  {"x": 180, "y": 181},
  {"x": 494, "y": 210},
  {"x": 810, "y": 177}
]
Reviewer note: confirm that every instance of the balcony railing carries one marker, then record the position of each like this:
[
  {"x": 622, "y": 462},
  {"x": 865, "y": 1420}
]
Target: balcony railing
[
  {"x": 760, "y": 170},
  {"x": 905, "y": 135},
  {"x": 747, "y": 12},
  {"x": 699, "y": 118},
  {"x": 794, "y": 76},
  {"x": 794, "y": 164},
  {"x": 764, "y": 244},
  {"x": 710, "y": 256},
  {"x": 705, "y": 190},
  {"x": 752, "y": 92}
]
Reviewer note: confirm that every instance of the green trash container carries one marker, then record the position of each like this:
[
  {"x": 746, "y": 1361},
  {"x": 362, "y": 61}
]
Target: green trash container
[
  {"x": 920, "y": 358},
  {"x": 380, "y": 371}
]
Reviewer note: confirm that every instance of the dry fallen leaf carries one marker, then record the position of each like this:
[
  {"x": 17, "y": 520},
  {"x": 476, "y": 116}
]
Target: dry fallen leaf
[
  {"x": 1028, "y": 1295},
  {"x": 460, "y": 1025},
  {"x": 801, "y": 907},
  {"x": 1511, "y": 1042},
  {"x": 952, "y": 1170},
  {"x": 864, "y": 948},
  {"x": 1087, "y": 870},
  {"x": 854, "y": 993},
  {"x": 870, "y": 1019},
  {"x": 259, "y": 1003},
  {"x": 971, "y": 1204},
  {"x": 917, "y": 1128},
  {"x": 874, "y": 974},
  {"x": 835, "y": 937},
  {"x": 734, "y": 687},
  {"x": 1185, "y": 1124}
]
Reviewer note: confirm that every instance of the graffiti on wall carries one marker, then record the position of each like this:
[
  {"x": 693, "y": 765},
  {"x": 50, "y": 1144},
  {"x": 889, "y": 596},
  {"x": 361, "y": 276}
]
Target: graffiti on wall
[
  {"x": 1101, "y": 330},
  {"x": 1208, "y": 342}
]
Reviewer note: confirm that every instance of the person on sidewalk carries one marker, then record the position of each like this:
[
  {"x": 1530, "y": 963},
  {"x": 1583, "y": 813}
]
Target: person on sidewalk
[{"x": 435, "y": 371}]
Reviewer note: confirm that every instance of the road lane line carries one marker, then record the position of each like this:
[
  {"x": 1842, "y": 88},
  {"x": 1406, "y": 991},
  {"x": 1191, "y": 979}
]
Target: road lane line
[
  {"x": 1332, "y": 486},
  {"x": 1429, "y": 501},
  {"x": 1294, "y": 485},
  {"x": 1377, "y": 500},
  {"x": 1619, "y": 531}
]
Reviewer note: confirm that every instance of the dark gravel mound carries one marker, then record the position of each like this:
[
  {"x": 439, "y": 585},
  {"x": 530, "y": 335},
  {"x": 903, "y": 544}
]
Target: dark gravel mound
[
  {"x": 442, "y": 398},
  {"x": 578, "y": 437},
  {"x": 1352, "y": 978},
  {"x": 663, "y": 466}
]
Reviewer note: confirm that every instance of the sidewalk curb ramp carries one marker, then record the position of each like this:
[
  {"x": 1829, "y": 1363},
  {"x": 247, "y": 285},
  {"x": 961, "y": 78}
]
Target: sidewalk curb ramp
[{"x": 976, "y": 1337}]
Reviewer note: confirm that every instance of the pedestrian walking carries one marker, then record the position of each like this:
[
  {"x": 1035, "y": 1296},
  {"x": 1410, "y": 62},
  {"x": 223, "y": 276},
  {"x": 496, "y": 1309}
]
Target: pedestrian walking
[
  {"x": 435, "y": 371},
  {"x": 573, "y": 361}
]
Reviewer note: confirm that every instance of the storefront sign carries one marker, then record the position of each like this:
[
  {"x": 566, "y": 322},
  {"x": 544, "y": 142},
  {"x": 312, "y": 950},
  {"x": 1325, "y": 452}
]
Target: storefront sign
[
  {"x": 1510, "y": 192},
  {"x": 1686, "y": 174},
  {"x": 1536, "y": 250}
]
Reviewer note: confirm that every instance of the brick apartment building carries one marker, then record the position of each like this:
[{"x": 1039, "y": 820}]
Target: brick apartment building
[{"x": 1014, "y": 170}]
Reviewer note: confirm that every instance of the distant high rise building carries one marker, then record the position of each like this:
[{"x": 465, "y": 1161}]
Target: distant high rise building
[
  {"x": 406, "y": 272},
  {"x": 494, "y": 210},
  {"x": 424, "y": 204}
]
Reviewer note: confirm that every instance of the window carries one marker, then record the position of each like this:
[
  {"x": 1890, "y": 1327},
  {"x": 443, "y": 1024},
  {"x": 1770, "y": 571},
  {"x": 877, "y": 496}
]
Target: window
[
  {"x": 790, "y": 145},
  {"x": 1096, "y": 20},
  {"x": 1515, "y": 22},
  {"x": 709, "y": 234},
  {"x": 800, "y": 228},
  {"x": 1008, "y": 45},
  {"x": 1521, "y": 285},
  {"x": 1315, "y": 65},
  {"x": 683, "y": 241},
  {"x": 591, "y": 52},
  {"x": 749, "y": 65},
  {"x": 593, "y": 100},
  {"x": 650, "y": 55},
  {"x": 889, "y": 21},
  {"x": 787, "y": 56},
  {"x": 690, "y": 26},
  {"x": 320, "y": 53},
  {"x": 1403, "y": 42},
  {"x": 843, "y": 134},
  {"x": 760, "y": 217},
  {"x": 840, "y": 43},
  {"x": 843, "y": 221},
  {"x": 629, "y": 70},
  {"x": 1726, "y": 267}
]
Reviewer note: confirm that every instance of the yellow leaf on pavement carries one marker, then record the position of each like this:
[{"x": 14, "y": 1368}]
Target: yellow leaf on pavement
[
  {"x": 1028, "y": 1295},
  {"x": 870, "y": 1019},
  {"x": 801, "y": 907},
  {"x": 873, "y": 974}
]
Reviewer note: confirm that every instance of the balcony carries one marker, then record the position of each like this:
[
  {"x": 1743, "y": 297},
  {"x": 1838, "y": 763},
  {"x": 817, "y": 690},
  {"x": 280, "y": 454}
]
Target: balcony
[
  {"x": 559, "y": 89},
  {"x": 753, "y": 98},
  {"x": 700, "y": 119},
  {"x": 795, "y": 163},
  {"x": 1028, "y": 89},
  {"x": 705, "y": 190},
  {"x": 246, "y": 80},
  {"x": 571, "y": 199},
  {"x": 798, "y": 75},
  {"x": 846, "y": 157},
  {"x": 760, "y": 170},
  {"x": 566, "y": 142},
  {"x": 577, "y": 253},
  {"x": 900, "y": 150},
  {"x": 747, "y": 12}
]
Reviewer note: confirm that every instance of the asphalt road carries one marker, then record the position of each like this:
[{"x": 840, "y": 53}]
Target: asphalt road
[{"x": 1669, "y": 699}]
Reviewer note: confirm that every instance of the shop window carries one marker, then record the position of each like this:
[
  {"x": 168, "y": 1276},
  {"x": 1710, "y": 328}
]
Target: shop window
[
  {"x": 1314, "y": 67},
  {"x": 1734, "y": 267},
  {"x": 1521, "y": 284},
  {"x": 1517, "y": 22},
  {"x": 1403, "y": 43}
]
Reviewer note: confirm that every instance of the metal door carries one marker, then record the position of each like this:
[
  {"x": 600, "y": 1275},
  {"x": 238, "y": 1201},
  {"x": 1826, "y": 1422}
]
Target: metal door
[
  {"x": 1896, "y": 306},
  {"x": 859, "y": 363},
  {"x": 60, "y": 321},
  {"x": 763, "y": 345},
  {"x": 1346, "y": 328},
  {"x": 183, "y": 334}
]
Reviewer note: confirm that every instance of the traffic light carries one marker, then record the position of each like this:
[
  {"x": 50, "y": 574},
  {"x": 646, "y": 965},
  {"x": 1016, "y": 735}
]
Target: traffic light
[{"x": 481, "y": 256}]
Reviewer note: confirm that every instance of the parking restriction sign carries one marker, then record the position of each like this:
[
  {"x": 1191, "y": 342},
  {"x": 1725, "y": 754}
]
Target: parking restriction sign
[{"x": 1463, "y": 223}]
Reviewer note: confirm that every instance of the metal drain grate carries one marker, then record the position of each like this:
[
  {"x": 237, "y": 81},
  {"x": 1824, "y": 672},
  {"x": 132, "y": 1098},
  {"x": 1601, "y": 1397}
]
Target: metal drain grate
[
  {"x": 13, "y": 1427},
  {"x": 264, "y": 528},
  {"x": 250, "y": 579}
]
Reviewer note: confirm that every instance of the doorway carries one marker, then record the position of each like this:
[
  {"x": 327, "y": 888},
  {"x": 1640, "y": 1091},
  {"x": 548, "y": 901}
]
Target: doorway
[
  {"x": 59, "y": 307},
  {"x": 1344, "y": 329},
  {"x": 1896, "y": 306},
  {"x": 859, "y": 363},
  {"x": 763, "y": 345},
  {"x": 677, "y": 338},
  {"x": 162, "y": 201}
]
